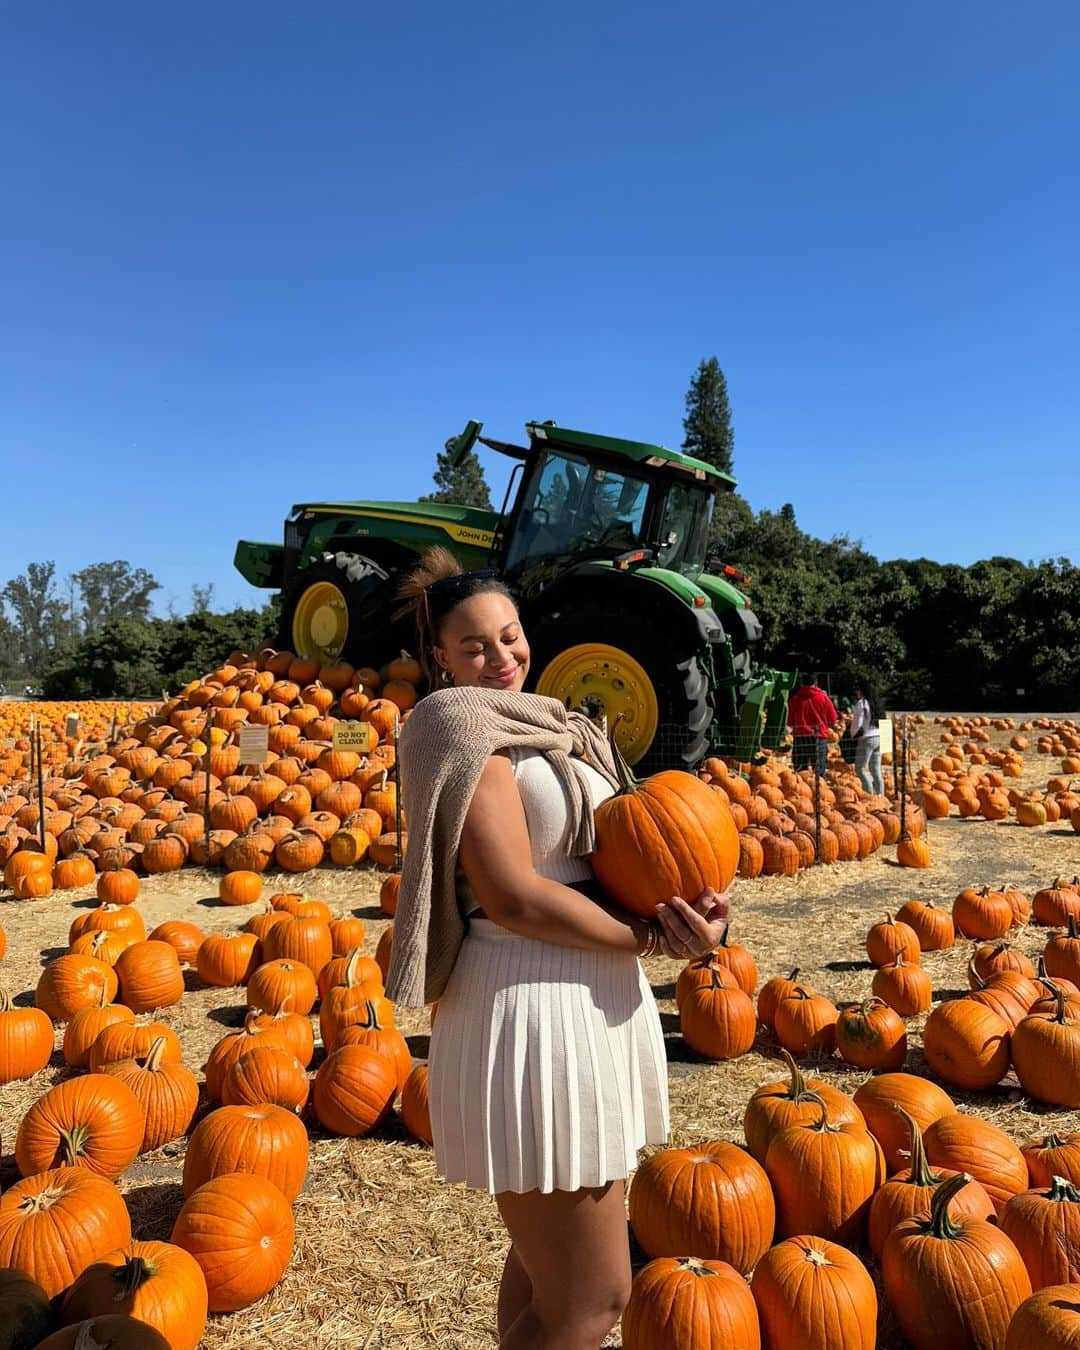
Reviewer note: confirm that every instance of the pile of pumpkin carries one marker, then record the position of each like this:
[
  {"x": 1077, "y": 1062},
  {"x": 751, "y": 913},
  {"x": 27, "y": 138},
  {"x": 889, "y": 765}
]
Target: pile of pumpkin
[
  {"x": 970, "y": 1042},
  {"x": 65, "y": 1235},
  {"x": 96, "y": 722},
  {"x": 173, "y": 790},
  {"x": 963, "y": 1224},
  {"x": 773, "y": 811}
]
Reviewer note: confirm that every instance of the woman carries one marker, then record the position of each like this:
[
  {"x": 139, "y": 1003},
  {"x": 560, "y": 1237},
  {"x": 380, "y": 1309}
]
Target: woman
[
  {"x": 546, "y": 1070},
  {"x": 864, "y": 730}
]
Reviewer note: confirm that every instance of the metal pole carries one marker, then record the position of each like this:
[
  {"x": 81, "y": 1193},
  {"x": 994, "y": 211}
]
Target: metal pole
[{"x": 40, "y": 789}]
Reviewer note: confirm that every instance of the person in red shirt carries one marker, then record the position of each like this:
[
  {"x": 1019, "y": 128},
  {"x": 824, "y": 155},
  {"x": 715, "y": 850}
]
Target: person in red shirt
[{"x": 811, "y": 716}]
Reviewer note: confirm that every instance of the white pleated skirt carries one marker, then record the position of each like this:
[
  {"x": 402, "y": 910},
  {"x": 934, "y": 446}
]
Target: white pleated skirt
[{"x": 546, "y": 1068}]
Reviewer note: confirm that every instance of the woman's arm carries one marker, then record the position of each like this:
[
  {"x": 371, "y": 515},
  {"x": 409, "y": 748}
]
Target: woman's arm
[{"x": 496, "y": 856}]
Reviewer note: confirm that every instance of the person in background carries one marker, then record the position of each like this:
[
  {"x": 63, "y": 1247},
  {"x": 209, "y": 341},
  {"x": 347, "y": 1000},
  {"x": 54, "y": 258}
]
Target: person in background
[
  {"x": 865, "y": 732},
  {"x": 811, "y": 716}
]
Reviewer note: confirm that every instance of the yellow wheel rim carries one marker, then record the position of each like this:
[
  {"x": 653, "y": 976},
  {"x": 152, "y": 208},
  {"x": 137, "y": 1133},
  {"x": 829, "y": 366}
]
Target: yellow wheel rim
[
  {"x": 597, "y": 675},
  {"x": 320, "y": 622}
]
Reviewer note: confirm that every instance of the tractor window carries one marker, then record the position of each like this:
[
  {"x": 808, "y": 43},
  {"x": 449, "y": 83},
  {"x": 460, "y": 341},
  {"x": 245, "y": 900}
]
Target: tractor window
[
  {"x": 573, "y": 505},
  {"x": 685, "y": 531}
]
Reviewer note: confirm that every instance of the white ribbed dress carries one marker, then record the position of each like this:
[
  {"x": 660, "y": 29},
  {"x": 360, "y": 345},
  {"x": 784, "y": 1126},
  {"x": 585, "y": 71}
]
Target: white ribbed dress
[{"x": 546, "y": 1069}]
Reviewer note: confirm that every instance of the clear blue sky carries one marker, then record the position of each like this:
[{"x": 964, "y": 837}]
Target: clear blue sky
[{"x": 257, "y": 253}]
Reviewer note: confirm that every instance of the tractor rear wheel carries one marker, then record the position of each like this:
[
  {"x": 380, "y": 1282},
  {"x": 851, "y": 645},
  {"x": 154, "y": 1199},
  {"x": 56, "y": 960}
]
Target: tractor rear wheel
[
  {"x": 603, "y": 661},
  {"x": 340, "y": 605}
]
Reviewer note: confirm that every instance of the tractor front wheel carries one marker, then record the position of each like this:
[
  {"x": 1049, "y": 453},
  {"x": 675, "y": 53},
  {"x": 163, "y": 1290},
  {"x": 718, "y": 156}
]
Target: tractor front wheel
[
  {"x": 339, "y": 606},
  {"x": 603, "y": 662}
]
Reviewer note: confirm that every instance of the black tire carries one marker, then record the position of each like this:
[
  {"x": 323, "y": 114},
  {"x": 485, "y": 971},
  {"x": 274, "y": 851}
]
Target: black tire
[
  {"x": 370, "y": 593},
  {"x": 677, "y": 674}
]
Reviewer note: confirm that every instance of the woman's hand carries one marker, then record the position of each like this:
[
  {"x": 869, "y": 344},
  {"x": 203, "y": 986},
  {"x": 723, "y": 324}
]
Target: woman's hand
[{"x": 690, "y": 931}]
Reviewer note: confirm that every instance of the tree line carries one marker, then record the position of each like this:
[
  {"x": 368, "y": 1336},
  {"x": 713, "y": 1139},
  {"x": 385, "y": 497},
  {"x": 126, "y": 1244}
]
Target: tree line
[{"x": 1000, "y": 633}]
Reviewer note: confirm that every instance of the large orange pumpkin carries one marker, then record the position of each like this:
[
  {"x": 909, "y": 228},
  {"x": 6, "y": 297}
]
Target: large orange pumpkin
[
  {"x": 667, "y": 835},
  {"x": 54, "y": 1224},
  {"x": 683, "y": 1301},
  {"x": 952, "y": 1279},
  {"x": 240, "y": 1230},
  {"x": 713, "y": 1202},
  {"x": 92, "y": 1121},
  {"x": 812, "y": 1292},
  {"x": 155, "y": 1282}
]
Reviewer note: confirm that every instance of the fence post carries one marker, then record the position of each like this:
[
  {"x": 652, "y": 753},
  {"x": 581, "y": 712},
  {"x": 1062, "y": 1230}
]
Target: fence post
[
  {"x": 817, "y": 813},
  {"x": 900, "y": 769},
  {"x": 40, "y": 788},
  {"x": 206, "y": 798},
  {"x": 397, "y": 794}
]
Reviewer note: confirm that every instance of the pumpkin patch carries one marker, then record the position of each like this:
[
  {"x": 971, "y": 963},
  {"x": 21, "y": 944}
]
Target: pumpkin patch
[{"x": 864, "y": 1035}]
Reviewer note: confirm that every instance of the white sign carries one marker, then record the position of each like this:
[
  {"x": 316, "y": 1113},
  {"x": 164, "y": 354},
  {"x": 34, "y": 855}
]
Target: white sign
[
  {"x": 885, "y": 727},
  {"x": 254, "y": 743},
  {"x": 71, "y": 725},
  {"x": 358, "y": 736}
]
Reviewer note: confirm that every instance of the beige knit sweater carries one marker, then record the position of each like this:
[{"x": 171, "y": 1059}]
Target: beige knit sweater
[{"x": 445, "y": 743}]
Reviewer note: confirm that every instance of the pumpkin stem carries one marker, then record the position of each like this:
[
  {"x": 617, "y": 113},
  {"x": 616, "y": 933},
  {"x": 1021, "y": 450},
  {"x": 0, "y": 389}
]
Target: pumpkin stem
[
  {"x": 920, "y": 1173},
  {"x": 350, "y": 968},
  {"x": 815, "y": 1257},
  {"x": 1053, "y": 1140},
  {"x": 152, "y": 1060},
  {"x": 797, "y": 1090},
  {"x": 977, "y": 981},
  {"x": 5, "y": 1000},
  {"x": 821, "y": 1125},
  {"x": 1062, "y": 1190},
  {"x": 74, "y": 1142},
  {"x": 1074, "y": 932},
  {"x": 940, "y": 1225},
  {"x": 44, "y": 1200},
  {"x": 696, "y": 1267},
  {"x": 131, "y": 1276},
  {"x": 86, "y": 1339},
  {"x": 627, "y": 781}
]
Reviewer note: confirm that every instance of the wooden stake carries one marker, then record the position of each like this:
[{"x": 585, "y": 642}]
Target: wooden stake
[
  {"x": 206, "y": 804},
  {"x": 817, "y": 813},
  {"x": 397, "y": 795},
  {"x": 40, "y": 788},
  {"x": 900, "y": 769}
]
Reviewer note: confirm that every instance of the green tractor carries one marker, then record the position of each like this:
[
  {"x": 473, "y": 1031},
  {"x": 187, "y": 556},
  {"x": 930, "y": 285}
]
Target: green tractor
[{"x": 604, "y": 548}]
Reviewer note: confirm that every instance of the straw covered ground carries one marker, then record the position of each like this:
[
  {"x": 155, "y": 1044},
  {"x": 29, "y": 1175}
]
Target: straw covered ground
[{"x": 389, "y": 1256}]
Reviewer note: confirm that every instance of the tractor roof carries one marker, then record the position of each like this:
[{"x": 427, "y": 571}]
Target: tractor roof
[{"x": 655, "y": 455}]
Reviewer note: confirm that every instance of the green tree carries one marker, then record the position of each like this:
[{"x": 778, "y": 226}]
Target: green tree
[
  {"x": 113, "y": 590},
  {"x": 463, "y": 484},
  {"x": 708, "y": 433},
  {"x": 40, "y": 617}
]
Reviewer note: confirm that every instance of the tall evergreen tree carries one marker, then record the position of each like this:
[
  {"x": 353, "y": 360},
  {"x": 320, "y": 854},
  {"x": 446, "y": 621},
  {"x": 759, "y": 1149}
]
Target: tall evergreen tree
[
  {"x": 464, "y": 485},
  {"x": 707, "y": 425}
]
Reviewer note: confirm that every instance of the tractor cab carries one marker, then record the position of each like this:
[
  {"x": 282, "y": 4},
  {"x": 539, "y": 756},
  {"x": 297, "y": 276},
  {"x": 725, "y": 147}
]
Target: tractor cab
[{"x": 583, "y": 496}]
